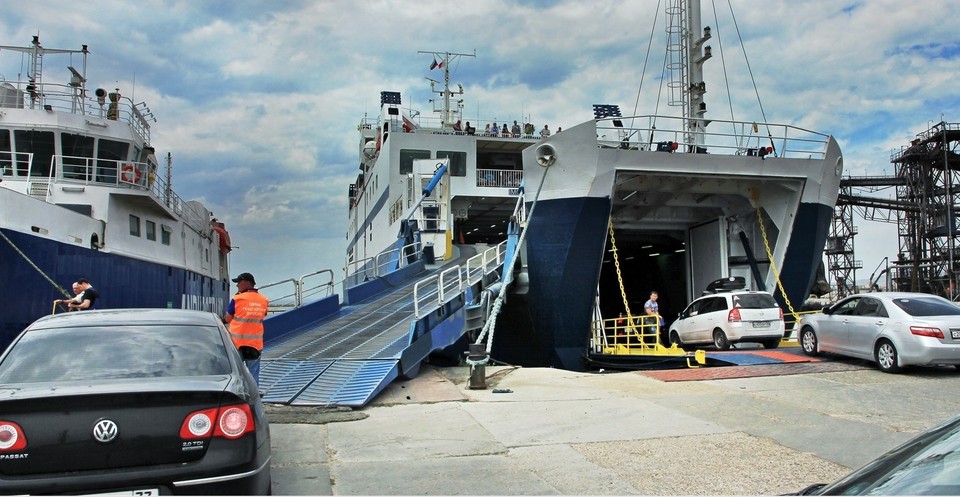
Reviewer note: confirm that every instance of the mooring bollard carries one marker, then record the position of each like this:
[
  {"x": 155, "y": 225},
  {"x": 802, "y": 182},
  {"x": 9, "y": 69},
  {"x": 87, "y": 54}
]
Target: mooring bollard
[{"x": 478, "y": 372}]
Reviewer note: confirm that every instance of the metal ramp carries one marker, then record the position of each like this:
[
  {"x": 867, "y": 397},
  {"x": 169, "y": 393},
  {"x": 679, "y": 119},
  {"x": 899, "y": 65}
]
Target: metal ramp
[
  {"x": 348, "y": 358},
  {"x": 342, "y": 360}
]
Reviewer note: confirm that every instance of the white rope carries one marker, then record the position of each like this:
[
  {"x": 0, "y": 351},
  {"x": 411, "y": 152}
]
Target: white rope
[
  {"x": 17, "y": 250},
  {"x": 491, "y": 323}
]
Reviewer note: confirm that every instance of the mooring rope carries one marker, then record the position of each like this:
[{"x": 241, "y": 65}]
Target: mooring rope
[
  {"x": 34, "y": 266},
  {"x": 491, "y": 323}
]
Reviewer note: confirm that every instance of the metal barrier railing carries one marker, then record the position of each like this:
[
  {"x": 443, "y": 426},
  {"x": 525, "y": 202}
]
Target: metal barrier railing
[
  {"x": 301, "y": 292},
  {"x": 433, "y": 291}
]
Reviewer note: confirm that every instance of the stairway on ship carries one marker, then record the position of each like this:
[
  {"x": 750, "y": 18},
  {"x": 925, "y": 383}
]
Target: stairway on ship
[{"x": 348, "y": 358}]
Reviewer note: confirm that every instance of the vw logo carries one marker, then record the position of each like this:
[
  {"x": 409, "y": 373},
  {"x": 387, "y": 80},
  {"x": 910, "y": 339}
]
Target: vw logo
[{"x": 105, "y": 431}]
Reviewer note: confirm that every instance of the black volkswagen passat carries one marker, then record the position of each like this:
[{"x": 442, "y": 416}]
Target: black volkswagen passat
[{"x": 136, "y": 401}]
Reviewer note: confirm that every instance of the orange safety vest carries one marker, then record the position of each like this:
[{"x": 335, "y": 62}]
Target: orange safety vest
[{"x": 246, "y": 328}]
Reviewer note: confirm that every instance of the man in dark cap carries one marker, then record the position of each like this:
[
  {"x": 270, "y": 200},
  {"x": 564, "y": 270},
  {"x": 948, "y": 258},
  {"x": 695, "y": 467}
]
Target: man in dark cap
[{"x": 245, "y": 315}]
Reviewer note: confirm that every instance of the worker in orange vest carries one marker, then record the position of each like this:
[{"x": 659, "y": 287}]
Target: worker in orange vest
[{"x": 245, "y": 315}]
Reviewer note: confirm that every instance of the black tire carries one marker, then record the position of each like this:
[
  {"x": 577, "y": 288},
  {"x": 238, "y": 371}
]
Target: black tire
[
  {"x": 771, "y": 343},
  {"x": 675, "y": 339},
  {"x": 887, "y": 357},
  {"x": 808, "y": 341},
  {"x": 720, "y": 339}
]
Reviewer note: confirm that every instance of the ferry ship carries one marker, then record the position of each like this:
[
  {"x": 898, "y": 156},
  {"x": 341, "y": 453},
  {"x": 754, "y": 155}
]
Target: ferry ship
[
  {"x": 83, "y": 194},
  {"x": 616, "y": 207}
]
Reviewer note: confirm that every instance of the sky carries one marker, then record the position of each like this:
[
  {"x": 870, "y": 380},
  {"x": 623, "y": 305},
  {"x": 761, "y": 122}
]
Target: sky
[{"x": 258, "y": 102}]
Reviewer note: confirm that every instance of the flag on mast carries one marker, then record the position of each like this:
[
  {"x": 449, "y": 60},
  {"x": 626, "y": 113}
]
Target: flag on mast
[{"x": 434, "y": 65}]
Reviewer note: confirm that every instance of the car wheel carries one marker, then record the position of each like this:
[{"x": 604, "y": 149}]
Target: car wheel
[
  {"x": 720, "y": 340},
  {"x": 808, "y": 341},
  {"x": 675, "y": 339},
  {"x": 886, "y": 356},
  {"x": 771, "y": 344}
]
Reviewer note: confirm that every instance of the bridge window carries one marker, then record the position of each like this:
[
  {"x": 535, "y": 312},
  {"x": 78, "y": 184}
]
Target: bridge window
[
  {"x": 165, "y": 234},
  {"x": 458, "y": 162},
  {"x": 407, "y": 156},
  {"x": 40, "y": 144},
  {"x": 6, "y": 157},
  {"x": 77, "y": 150},
  {"x": 111, "y": 152}
]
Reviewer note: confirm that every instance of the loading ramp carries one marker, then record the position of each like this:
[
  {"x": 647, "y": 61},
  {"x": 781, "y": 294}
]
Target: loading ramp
[{"x": 349, "y": 357}]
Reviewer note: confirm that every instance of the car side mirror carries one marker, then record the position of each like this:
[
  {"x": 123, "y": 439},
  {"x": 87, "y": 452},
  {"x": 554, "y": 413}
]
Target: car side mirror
[{"x": 827, "y": 309}]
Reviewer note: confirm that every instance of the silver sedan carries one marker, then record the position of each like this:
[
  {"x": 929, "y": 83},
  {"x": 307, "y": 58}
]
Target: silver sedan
[{"x": 893, "y": 329}]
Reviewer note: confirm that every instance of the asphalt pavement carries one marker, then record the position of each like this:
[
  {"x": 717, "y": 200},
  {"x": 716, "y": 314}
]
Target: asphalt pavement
[{"x": 541, "y": 431}]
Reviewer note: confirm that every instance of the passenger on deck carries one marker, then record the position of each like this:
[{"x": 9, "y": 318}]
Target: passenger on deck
[
  {"x": 486, "y": 129},
  {"x": 545, "y": 132},
  {"x": 505, "y": 131},
  {"x": 528, "y": 130},
  {"x": 470, "y": 129},
  {"x": 457, "y": 127},
  {"x": 515, "y": 130},
  {"x": 495, "y": 130}
]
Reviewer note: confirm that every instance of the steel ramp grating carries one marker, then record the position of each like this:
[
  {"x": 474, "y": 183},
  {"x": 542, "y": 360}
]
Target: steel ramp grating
[
  {"x": 282, "y": 380},
  {"x": 349, "y": 383}
]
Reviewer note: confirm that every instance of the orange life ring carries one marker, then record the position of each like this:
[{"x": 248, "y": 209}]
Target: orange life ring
[{"x": 130, "y": 174}]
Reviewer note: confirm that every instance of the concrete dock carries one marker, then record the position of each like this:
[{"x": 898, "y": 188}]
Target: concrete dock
[{"x": 539, "y": 431}]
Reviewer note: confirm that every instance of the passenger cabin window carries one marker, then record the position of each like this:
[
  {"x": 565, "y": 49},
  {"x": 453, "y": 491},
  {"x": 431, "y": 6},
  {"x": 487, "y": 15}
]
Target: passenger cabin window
[
  {"x": 134, "y": 225},
  {"x": 77, "y": 150},
  {"x": 151, "y": 230},
  {"x": 408, "y": 156},
  {"x": 458, "y": 162},
  {"x": 40, "y": 144},
  {"x": 165, "y": 234}
]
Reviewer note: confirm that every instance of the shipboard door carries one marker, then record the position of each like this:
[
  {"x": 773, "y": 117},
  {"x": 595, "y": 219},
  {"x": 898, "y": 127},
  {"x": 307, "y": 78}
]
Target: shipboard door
[{"x": 706, "y": 255}]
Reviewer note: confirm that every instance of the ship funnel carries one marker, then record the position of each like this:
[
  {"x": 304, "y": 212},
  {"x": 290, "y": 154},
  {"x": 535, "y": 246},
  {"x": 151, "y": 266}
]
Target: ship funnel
[{"x": 546, "y": 155}]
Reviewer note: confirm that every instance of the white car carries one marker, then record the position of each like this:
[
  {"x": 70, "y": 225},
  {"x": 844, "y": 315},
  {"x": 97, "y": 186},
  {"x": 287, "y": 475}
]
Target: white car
[
  {"x": 892, "y": 329},
  {"x": 723, "y": 319}
]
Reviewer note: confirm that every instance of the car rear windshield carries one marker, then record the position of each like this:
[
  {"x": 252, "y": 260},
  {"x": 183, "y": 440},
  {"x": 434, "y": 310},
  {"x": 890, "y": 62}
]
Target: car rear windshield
[
  {"x": 754, "y": 301},
  {"x": 927, "y": 306},
  {"x": 115, "y": 352}
]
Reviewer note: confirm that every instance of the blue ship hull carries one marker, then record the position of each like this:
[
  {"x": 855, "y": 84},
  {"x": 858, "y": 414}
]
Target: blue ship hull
[
  {"x": 123, "y": 282},
  {"x": 549, "y": 324}
]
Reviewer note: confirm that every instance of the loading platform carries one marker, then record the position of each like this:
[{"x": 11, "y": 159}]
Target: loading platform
[{"x": 327, "y": 354}]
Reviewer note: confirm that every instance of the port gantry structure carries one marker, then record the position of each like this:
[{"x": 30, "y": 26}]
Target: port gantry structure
[{"x": 925, "y": 178}]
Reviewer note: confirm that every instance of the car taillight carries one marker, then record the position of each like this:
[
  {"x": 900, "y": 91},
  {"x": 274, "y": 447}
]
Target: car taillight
[
  {"x": 781, "y": 313},
  {"x": 926, "y": 331},
  {"x": 734, "y": 315},
  {"x": 228, "y": 422},
  {"x": 11, "y": 437}
]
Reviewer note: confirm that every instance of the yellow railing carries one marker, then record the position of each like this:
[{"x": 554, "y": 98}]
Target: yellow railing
[{"x": 636, "y": 335}]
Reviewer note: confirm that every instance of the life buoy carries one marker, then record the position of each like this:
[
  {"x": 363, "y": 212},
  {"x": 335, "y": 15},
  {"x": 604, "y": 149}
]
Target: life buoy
[{"x": 130, "y": 174}]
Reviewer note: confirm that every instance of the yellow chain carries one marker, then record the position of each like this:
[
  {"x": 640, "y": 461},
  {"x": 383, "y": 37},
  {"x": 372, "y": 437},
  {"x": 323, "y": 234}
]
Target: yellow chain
[
  {"x": 773, "y": 265},
  {"x": 616, "y": 263}
]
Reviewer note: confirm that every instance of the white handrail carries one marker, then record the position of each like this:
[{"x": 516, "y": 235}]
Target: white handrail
[{"x": 446, "y": 288}]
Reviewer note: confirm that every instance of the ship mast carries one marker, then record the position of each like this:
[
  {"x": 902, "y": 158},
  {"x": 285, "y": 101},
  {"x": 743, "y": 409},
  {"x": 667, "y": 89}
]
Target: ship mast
[
  {"x": 686, "y": 55},
  {"x": 35, "y": 75},
  {"x": 446, "y": 113}
]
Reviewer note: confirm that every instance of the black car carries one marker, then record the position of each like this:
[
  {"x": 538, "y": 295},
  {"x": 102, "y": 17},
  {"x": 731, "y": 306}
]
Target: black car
[
  {"x": 135, "y": 401},
  {"x": 928, "y": 464}
]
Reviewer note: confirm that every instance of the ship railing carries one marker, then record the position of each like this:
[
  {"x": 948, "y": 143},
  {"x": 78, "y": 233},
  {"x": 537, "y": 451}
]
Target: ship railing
[
  {"x": 499, "y": 178},
  {"x": 50, "y": 97},
  {"x": 434, "y": 291},
  {"x": 386, "y": 262},
  {"x": 672, "y": 134},
  {"x": 294, "y": 292},
  {"x": 67, "y": 169}
]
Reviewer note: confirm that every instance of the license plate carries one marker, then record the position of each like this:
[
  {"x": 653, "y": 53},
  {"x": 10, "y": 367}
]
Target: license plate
[
  {"x": 761, "y": 324},
  {"x": 955, "y": 334},
  {"x": 143, "y": 492}
]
